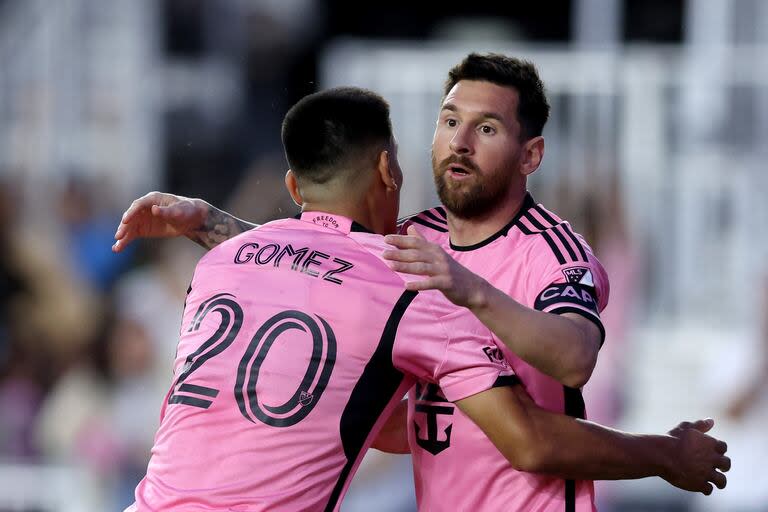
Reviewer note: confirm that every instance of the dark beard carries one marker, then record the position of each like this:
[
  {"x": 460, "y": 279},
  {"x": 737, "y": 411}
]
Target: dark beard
[{"x": 473, "y": 201}]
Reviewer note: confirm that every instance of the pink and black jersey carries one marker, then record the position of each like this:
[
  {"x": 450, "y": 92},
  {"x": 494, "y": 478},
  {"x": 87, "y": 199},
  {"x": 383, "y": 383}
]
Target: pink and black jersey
[
  {"x": 539, "y": 261},
  {"x": 297, "y": 341}
]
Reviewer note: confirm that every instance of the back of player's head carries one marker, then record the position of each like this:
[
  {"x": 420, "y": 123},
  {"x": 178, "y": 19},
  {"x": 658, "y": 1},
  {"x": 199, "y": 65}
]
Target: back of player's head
[
  {"x": 340, "y": 130},
  {"x": 533, "y": 107}
]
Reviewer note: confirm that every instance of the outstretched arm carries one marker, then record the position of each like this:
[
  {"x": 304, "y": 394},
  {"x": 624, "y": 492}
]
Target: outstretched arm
[
  {"x": 562, "y": 346},
  {"x": 162, "y": 215},
  {"x": 539, "y": 441}
]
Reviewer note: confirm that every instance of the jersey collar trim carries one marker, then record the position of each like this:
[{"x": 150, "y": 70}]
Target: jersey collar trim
[
  {"x": 528, "y": 203},
  {"x": 332, "y": 221}
]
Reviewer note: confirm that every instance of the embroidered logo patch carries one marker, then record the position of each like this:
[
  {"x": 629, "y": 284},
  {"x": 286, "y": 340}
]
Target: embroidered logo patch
[{"x": 580, "y": 275}]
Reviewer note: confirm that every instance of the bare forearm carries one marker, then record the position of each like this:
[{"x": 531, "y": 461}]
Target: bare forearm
[
  {"x": 582, "y": 450},
  {"x": 538, "y": 441},
  {"x": 217, "y": 227},
  {"x": 553, "y": 344},
  {"x": 393, "y": 437}
]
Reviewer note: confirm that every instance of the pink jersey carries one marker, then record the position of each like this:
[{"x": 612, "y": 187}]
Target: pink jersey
[
  {"x": 297, "y": 342},
  {"x": 541, "y": 263}
]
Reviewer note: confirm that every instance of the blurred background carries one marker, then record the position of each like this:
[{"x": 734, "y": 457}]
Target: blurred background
[{"x": 656, "y": 151}]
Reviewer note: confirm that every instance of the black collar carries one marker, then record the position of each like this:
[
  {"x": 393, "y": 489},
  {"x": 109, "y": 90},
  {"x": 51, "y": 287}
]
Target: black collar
[
  {"x": 528, "y": 203},
  {"x": 360, "y": 228}
]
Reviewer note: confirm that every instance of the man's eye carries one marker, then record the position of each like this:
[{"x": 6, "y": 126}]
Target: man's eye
[
  {"x": 450, "y": 122},
  {"x": 487, "y": 130}
]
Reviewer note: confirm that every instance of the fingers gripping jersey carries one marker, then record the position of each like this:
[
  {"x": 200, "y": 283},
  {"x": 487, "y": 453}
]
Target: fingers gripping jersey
[
  {"x": 296, "y": 342},
  {"x": 540, "y": 262}
]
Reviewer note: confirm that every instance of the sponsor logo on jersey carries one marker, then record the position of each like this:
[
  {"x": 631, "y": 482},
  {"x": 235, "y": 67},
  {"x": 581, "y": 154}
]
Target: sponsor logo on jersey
[
  {"x": 432, "y": 425},
  {"x": 495, "y": 355}
]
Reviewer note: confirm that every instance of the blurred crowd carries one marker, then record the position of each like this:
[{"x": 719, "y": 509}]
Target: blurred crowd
[{"x": 87, "y": 337}]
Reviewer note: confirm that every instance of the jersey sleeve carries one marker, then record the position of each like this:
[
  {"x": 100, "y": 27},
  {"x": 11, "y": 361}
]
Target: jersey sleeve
[
  {"x": 579, "y": 287},
  {"x": 448, "y": 346}
]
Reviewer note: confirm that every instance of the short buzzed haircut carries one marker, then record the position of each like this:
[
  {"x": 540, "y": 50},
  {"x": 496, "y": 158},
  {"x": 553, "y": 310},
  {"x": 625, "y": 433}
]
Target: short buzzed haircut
[
  {"x": 334, "y": 131},
  {"x": 533, "y": 107}
]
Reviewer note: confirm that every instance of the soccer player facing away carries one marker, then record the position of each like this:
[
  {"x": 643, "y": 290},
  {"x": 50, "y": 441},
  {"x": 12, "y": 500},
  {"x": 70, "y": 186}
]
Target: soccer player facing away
[
  {"x": 297, "y": 340},
  {"x": 538, "y": 441}
]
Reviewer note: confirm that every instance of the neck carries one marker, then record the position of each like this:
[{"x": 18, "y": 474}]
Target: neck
[
  {"x": 472, "y": 231},
  {"x": 359, "y": 212}
]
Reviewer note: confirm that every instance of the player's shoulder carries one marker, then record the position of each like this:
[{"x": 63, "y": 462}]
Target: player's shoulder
[
  {"x": 435, "y": 319},
  {"x": 549, "y": 237},
  {"x": 431, "y": 223},
  {"x": 371, "y": 243},
  {"x": 375, "y": 246},
  {"x": 555, "y": 248},
  {"x": 424, "y": 307},
  {"x": 246, "y": 236}
]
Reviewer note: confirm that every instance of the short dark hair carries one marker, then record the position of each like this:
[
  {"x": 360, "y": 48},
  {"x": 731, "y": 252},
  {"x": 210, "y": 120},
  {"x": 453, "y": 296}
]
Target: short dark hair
[
  {"x": 334, "y": 129},
  {"x": 533, "y": 107}
]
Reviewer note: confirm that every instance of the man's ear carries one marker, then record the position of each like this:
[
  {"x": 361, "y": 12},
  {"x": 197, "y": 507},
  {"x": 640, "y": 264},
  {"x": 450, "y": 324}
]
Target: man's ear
[
  {"x": 532, "y": 154},
  {"x": 386, "y": 172},
  {"x": 293, "y": 188}
]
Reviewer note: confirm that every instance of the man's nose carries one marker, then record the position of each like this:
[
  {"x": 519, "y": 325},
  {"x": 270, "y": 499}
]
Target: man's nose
[{"x": 461, "y": 142}]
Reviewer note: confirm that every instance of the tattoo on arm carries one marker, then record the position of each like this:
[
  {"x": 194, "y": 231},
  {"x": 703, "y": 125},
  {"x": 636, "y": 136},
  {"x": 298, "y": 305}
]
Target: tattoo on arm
[{"x": 218, "y": 227}]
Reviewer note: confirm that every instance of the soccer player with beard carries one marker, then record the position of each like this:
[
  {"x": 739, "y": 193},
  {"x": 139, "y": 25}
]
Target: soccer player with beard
[
  {"x": 548, "y": 287},
  {"x": 544, "y": 304}
]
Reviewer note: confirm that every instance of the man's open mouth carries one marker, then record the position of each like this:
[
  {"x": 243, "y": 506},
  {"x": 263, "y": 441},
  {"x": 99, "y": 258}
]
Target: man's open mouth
[{"x": 458, "y": 170}]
